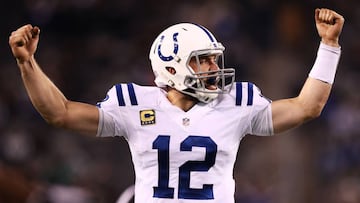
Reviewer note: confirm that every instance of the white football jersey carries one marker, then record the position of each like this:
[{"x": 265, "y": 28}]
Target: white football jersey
[{"x": 184, "y": 156}]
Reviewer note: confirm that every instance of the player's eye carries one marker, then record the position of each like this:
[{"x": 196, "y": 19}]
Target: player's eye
[{"x": 203, "y": 60}]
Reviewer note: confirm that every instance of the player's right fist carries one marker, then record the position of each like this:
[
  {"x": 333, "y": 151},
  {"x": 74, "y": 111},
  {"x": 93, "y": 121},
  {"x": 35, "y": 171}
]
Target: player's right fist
[{"x": 23, "y": 42}]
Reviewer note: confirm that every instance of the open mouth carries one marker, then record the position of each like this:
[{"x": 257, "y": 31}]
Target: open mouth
[
  {"x": 210, "y": 87},
  {"x": 211, "y": 83}
]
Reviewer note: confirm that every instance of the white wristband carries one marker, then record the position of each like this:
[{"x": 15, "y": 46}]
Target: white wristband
[{"x": 326, "y": 63}]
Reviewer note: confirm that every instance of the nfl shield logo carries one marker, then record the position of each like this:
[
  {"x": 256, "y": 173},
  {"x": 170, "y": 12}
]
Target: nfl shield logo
[{"x": 186, "y": 121}]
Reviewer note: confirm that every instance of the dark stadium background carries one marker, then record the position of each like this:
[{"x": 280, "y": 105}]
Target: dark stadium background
[{"x": 86, "y": 46}]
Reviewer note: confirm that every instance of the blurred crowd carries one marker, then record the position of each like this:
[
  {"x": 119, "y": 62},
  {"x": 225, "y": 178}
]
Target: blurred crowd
[{"x": 86, "y": 46}]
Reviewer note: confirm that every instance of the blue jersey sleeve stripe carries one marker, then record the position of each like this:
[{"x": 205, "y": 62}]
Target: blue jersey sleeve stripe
[
  {"x": 120, "y": 95},
  {"x": 238, "y": 94},
  {"x": 132, "y": 95},
  {"x": 250, "y": 94}
]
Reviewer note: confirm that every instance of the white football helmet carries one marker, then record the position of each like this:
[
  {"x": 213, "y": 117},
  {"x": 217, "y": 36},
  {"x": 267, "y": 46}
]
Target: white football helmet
[{"x": 174, "y": 47}]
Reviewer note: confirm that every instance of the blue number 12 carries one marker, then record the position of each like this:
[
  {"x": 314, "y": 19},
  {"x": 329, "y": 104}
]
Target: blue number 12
[{"x": 162, "y": 144}]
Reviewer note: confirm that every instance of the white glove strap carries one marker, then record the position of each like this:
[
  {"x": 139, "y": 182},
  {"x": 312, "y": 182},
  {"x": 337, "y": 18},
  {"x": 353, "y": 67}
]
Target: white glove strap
[{"x": 326, "y": 63}]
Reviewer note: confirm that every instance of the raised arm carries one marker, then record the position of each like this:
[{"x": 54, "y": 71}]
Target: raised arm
[
  {"x": 48, "y": 100},
  {"x": 289, "y": 113}
]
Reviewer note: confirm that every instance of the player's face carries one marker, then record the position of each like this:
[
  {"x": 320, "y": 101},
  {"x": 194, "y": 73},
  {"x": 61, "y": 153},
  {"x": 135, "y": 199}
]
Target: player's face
[
  {"x": 204, "y": 65},
  {"x": 207, "y": 63}
]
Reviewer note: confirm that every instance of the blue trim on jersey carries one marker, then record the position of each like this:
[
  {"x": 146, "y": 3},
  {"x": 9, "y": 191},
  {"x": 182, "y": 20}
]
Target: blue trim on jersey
[
  {"x": 238, "y": 93},
  {"x": 120, "y": 95},
  {"x": 132, "y": 95},
  {"x": 250, "y": 94}
]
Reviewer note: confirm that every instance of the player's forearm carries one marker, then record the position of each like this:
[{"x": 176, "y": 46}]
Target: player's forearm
[
  {"x": 290, "y": 113},
  {"x": 310, "y": 102},
  {"x": 313, "y": 97},
  {"x": 44, "y": 95},
  {"x": 317, "y": 87}
]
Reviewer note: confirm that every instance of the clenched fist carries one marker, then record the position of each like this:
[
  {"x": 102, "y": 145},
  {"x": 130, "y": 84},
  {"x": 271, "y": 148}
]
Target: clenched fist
[
  {"x": 23, "y": 42},
  {"x": 329, "y": 25}
]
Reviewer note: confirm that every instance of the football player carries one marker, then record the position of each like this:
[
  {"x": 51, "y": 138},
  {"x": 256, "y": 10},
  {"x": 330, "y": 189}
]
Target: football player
[{"x": 185, "y": 132}]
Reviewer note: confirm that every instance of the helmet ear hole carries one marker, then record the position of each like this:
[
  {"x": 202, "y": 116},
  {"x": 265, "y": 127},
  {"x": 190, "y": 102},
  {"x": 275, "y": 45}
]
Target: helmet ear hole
[{"x": 171, "y": 70}]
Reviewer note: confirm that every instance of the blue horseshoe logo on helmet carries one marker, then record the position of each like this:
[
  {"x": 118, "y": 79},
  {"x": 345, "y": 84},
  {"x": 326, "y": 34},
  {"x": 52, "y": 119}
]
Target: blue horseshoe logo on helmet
[{"x": 175, "y": 51}]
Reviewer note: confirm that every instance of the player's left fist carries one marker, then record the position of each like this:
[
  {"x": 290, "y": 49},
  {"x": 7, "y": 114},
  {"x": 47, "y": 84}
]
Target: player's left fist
[{"x": 329, "y": 25}]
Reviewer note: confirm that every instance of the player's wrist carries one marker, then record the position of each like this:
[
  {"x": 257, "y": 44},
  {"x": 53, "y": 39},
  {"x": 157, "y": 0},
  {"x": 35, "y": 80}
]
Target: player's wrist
[
  {"x": 22, "y": 61},
  {"x": 326, "y": 63},
  {"x": 332, "y": 43}
]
